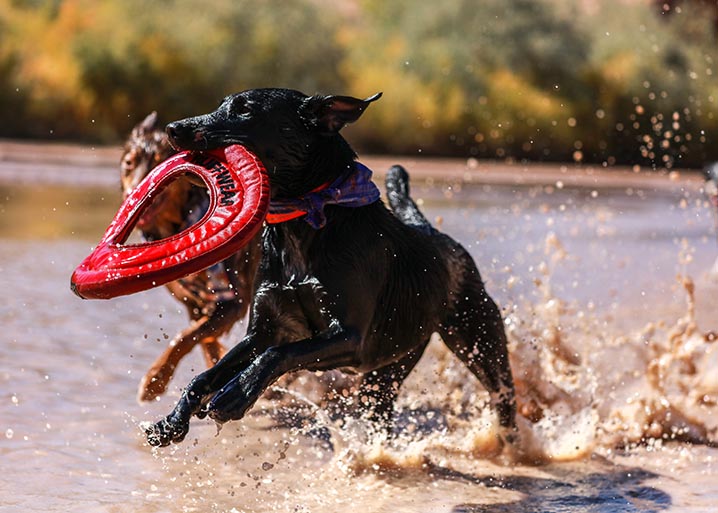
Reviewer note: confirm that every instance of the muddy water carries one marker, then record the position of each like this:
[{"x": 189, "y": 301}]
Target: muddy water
[{"x": 609, "y": 308}]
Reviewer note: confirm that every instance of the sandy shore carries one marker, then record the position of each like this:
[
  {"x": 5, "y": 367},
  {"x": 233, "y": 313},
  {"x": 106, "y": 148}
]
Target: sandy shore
[{"x": 31, "y": 162}]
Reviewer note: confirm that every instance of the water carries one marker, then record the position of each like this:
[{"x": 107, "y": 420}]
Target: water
[{"x": 609, "y": 309}]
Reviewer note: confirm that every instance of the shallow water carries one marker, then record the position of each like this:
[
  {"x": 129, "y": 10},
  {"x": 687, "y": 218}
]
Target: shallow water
[{"x": 610, "y": 344}]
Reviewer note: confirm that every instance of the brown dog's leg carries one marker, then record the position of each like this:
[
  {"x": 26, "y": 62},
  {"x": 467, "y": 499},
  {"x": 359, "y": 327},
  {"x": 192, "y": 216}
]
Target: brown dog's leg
[
  {"x": 191, "y": 301},
  {"x": 155, "y": 382},
  {"x": 224, "y": 316},
  {"x": 213, "y": 350},
  {"x": 205, "y": 331}
]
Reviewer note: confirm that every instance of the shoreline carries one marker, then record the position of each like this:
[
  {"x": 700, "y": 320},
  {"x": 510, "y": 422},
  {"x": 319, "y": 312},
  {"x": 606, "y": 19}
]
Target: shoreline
[{"x": 26, "y": 162}]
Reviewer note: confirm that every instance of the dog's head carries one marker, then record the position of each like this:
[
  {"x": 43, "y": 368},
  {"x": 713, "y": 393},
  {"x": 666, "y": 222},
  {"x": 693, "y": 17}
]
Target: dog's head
[
  {"x": 295, "y": 136},
  {"x": 146, "y": 147}
]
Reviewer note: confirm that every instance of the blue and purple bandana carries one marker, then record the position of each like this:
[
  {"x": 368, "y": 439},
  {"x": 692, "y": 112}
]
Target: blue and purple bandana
[{"x": 353, "y": 189}]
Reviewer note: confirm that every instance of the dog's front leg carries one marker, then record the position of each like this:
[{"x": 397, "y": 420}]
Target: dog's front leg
[
  {"x": 233, "y": 400},
  {"x": 174, "y": 427}
]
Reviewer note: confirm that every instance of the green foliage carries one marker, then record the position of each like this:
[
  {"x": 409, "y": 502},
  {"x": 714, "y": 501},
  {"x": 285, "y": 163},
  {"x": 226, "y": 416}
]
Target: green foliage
[
  {"x": 612, "y": 81},
  {"x": 101, "y": 66},
  {"x": 655, "y": 85},
  {"x": 542, "y": 79}
]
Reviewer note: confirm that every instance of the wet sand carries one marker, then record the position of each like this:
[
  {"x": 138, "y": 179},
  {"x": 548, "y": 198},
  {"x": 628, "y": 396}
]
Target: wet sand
[
  {"x": 609, "y": 347},
  {"x": 27, "y": 162}
]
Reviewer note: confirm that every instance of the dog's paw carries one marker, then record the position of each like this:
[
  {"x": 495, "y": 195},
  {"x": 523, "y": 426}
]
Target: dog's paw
[
  {"x": 236, "y": 397},
  {"x": 166, "y": 432},
  {"x": 230, "y": 403}
]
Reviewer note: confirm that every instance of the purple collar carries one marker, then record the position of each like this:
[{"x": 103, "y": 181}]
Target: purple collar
[{"x": 352, "y": 189}]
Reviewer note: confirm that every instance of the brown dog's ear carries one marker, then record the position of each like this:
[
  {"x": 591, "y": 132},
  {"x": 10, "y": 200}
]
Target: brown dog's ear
[
  {"x": 331, "y": 113},
  {"x": 149, "y": 123}
]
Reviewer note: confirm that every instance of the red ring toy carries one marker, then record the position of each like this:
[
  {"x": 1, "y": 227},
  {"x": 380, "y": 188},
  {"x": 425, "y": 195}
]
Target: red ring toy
[{"x": 238, "y": 202}]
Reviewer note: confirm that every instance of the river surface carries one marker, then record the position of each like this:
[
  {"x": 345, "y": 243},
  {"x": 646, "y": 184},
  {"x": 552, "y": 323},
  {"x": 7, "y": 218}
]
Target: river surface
[{"x": 610, "y": 309}]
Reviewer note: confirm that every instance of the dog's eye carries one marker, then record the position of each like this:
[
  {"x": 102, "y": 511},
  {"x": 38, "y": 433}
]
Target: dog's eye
[
  {"x": 129, "y": 161},
  {"x": 239, "y": 107}
]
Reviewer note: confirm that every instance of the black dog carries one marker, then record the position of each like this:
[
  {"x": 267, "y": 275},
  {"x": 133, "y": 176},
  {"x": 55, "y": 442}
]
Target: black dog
[{"x": 362, "y": 293}]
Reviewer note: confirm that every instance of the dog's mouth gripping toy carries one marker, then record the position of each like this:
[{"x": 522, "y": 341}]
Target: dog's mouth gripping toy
[{"x": 238, "y": 189}]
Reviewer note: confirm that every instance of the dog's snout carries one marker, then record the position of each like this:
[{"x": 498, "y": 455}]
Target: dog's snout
[{"x": 183, "y": 135}]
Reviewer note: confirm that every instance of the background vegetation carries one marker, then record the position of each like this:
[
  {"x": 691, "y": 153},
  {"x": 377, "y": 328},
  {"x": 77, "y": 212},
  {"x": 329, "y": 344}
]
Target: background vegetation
[{"x": 614, "y": 81}]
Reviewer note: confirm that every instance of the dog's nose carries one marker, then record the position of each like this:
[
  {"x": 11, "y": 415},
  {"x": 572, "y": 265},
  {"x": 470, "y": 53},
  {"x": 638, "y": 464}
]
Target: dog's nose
[
  {"x": 185, "y": 135},
  {"x": 181, "y": 135},
  {"x": 173, "y": 130}
]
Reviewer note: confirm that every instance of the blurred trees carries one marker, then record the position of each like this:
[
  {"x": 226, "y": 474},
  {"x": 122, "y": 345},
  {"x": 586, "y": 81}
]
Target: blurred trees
[
  {"x": 474, "y": 78},
  {"x": 90, "y": 70},
  {"x": 610, "y": 81},
  {"x": 614, "y": 81}
]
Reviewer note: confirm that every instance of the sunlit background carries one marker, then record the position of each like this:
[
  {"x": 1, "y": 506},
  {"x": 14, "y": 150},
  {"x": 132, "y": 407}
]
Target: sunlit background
[
  {"x": 614, "y": 81},
  {"x": 558, "y": 141}
]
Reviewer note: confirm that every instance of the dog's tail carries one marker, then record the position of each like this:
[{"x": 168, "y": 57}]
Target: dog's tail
[{"x": 401, "y": 203}]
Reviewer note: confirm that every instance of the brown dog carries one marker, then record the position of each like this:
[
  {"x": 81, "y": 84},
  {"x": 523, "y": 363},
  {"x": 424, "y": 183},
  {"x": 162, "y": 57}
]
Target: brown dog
[{"x": 215, "y": 298}]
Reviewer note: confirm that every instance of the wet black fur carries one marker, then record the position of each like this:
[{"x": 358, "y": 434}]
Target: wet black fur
[{"x": 364, "y": 293}]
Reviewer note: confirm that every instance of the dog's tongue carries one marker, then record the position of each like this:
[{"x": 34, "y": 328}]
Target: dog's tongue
[{"x": 239, "y": 200}]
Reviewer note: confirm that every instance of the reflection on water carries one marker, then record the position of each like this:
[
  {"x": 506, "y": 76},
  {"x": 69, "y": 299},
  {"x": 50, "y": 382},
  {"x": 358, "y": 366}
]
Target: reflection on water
[
  {"x": 55, "y": 211},
  {"x": 610, "y": 365}
]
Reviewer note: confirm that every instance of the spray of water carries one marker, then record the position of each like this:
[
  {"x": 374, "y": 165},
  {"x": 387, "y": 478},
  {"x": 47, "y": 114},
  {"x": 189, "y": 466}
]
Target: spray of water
[{"x": 580, "y": 390}]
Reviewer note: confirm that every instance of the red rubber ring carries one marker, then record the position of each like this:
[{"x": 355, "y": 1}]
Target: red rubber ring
[{"x": 238, "y": 203}]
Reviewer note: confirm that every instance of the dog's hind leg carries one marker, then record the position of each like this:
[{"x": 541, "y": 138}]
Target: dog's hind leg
[
  {"x": 379, "y": 388},
  {"x": 474, "y": 332}
]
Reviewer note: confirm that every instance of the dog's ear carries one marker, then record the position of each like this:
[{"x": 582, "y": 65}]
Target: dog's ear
[
  {"x": 331, "y": 113},
  {"x": 149, "y": 123}
]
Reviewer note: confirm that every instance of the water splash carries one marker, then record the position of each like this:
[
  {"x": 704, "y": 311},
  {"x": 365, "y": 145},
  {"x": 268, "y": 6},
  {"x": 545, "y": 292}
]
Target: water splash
[{"x": 580, "y": 389}]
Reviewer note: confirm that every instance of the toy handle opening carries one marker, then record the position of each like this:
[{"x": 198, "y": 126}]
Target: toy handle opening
[{"x": 238, "y": 202}]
